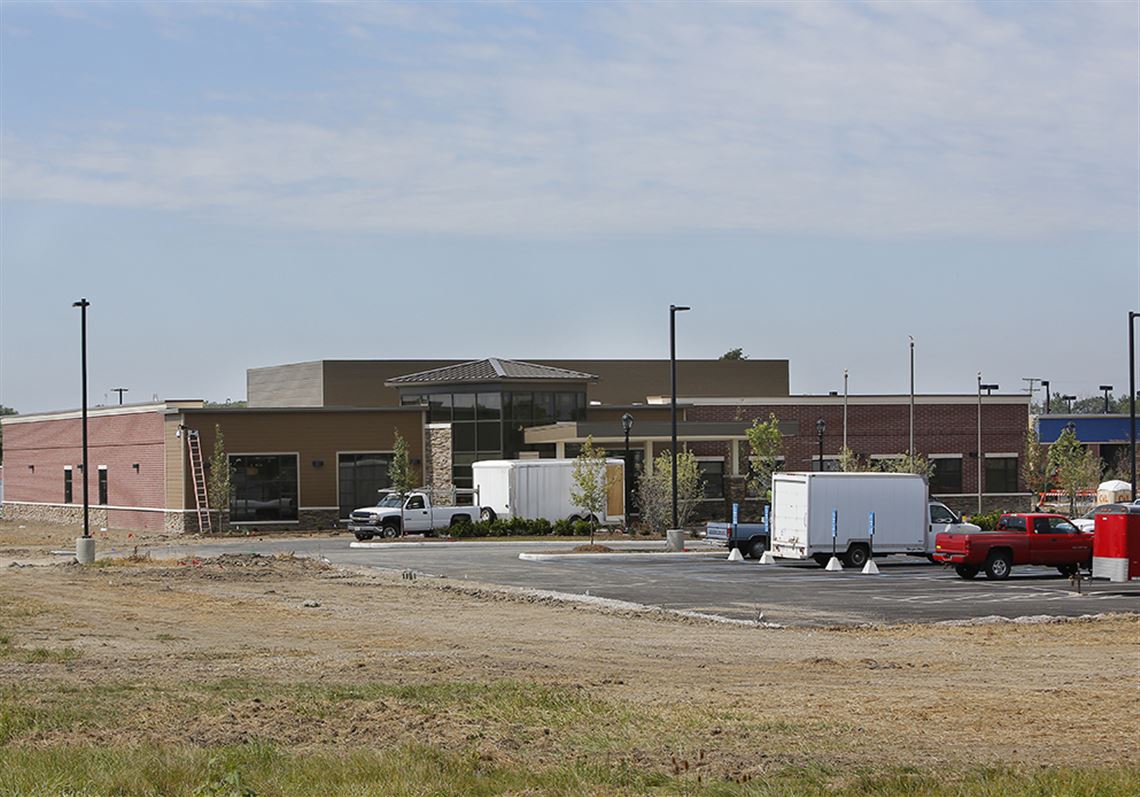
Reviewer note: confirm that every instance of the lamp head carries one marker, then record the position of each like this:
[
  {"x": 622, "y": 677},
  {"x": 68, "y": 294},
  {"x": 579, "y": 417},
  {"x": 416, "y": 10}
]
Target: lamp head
[
  {"x": 626, "y": 422},
  {"x": 821, "y": 426}
]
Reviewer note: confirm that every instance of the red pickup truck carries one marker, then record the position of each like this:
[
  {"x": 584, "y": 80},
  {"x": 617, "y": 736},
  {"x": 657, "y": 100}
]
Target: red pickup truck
[{"x": 1020, "y": 539}]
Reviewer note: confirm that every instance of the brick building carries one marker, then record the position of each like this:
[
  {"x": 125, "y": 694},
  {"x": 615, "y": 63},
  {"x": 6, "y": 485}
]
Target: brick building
[{"x": 317, "y": 438}]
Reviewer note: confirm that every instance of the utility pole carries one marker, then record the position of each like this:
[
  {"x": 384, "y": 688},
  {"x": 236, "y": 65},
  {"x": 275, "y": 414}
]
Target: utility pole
[
  {"x": 120, "y": 391},
  {"x": 911, "y": 398},
  {"x": 845, "y": 408},
  {"x": 1032, "y": 389}
]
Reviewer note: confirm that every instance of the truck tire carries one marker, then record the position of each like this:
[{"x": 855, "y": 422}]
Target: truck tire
[
  {"x": 486, "y": 514},
  {"x": 756, "y": 549},
  {"x": 856, "y": 555},
  {"x": 821, "y": 559},
  {"x": 1067, "y": 570},
  {"x": 998, "y": 565},
  {"x": 363, "y": 536},
  {"x": 966, "y": 571},
  {"x": 459, "y": 520},
  {"x": 390, "y": 532}
]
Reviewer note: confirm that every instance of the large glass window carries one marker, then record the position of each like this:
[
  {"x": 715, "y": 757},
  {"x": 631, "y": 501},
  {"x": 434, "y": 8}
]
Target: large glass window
[
  {"x": 361, "y": 478},
  {"x": 67, "y": 494},
  {"x": 712, "y": 474},
  {"x": 1001, "y": 474},
  {"x": 103, "y": 486},
  {"x": 440, "y": 408},
  {"x": 264, "y": 487},
  {"x": 489, "y": 406},
  {"x": 947, "y": 476},
  {"x": 463, "y": 406},
  {"x": 830, "y": 464}
]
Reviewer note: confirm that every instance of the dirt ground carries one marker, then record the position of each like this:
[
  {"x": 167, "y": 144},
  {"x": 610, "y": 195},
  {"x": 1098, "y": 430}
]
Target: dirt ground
[{"x": 736, "y": 699}]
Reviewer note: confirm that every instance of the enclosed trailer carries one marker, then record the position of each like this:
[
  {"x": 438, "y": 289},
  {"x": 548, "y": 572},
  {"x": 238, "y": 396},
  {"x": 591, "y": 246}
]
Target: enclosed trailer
[
  {"x": 541, "y": 488},
  {"x": 806, "y": 507}
]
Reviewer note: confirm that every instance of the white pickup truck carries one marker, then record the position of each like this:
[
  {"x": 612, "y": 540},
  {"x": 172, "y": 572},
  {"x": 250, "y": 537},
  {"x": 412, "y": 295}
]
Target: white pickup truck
[{"x": 407, "y": 513}]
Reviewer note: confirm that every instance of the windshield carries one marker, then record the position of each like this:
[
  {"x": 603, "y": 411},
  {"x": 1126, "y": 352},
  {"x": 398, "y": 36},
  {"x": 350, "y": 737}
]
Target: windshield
[{"x": 394, "y": 500}]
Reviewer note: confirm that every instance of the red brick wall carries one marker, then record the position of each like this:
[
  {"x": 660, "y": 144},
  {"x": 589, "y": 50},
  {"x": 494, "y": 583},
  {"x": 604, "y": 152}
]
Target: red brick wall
[{"x": 117, "y": 441}]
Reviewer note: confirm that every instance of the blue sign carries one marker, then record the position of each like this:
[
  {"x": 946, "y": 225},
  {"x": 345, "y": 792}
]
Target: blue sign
[
  {"x": 766, "y": 508},
  {"x": 834, "y": 522},
  {"x": 871, "y": 524},
  {"x": 735, "y": 513}
]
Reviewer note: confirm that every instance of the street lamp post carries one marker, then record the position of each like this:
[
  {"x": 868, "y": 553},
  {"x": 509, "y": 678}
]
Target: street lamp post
[
  {"x": 85, "y": 548},
  {"x": 120, "y": 391},
  {"x": 673, "y": 310},
  {"x": 1107, "y": 389},
  {"x": 626, "y": 426},
  {"x": 1132, "y": 316},
  {"x": 1068, "y": 401},
  {"x": 820, "y": 428},
  {"x": 911, "y": 449},
  {"x": 981, "y": 458},
  {"x": 845, "y": 408},
  {"x": 1045, "y": 384}
]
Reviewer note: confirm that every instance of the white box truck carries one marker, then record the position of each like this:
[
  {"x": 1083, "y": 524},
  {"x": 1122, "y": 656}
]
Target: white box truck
[
  {"x": 906, "y": 521},
  {"x": 541, "y": 488}
]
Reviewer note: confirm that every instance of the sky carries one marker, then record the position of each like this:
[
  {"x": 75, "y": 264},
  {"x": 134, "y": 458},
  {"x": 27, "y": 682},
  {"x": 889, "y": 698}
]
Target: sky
[{"x": 243, "y": 184}]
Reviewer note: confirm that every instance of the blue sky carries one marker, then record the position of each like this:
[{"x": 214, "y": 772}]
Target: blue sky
[{"x": 242, "y": 184}]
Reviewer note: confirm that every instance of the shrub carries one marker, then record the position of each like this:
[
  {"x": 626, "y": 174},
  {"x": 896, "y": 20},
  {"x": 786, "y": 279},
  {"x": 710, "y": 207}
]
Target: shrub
[{"x": 987, "y": 521}]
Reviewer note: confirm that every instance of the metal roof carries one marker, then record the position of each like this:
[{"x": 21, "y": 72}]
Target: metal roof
[{"x": 492, "y": 369}]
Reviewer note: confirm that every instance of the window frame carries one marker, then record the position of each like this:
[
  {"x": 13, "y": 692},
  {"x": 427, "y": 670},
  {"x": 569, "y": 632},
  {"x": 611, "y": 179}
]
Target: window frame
[
  {"x": 355, "y": 453},
  {"x": 297, "y": 457}
]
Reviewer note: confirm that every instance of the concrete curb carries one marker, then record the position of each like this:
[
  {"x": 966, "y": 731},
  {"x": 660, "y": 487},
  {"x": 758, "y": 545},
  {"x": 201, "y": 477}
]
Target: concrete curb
[
  {"x": 475, "y": 543},
  {"x": 643, "y": 555}
]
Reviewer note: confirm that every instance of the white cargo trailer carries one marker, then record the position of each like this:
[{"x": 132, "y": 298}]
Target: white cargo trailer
[
  {"x": 541, "y": 488},
  {"x": 804, "y": 505}
]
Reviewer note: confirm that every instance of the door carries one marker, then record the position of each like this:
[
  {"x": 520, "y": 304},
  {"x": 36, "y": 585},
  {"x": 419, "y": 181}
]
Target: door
[
  {"x": 1049, "y": 544},
  {"x": 941, "y": 520},
  {"x": 417, "y": 515}
]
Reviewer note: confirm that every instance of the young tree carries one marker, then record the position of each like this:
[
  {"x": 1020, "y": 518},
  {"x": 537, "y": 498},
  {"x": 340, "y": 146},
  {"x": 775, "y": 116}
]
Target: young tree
[
  {"x": 1075, "y": 466},
  {"x": 1035, "y": 464},
  {"x": 592, "y": 483},
  {"x": 218, "y": 483},
  {"x": 850, "y": 462},
  {"x": 734, "y": 354},
  {"x": 4, "y": 411},
  {"x": 905, "y": 463},
  {"x": 655, "y": 491},
  {"x": 767, "y": 445},
  {"x": 401, "y": 472}
]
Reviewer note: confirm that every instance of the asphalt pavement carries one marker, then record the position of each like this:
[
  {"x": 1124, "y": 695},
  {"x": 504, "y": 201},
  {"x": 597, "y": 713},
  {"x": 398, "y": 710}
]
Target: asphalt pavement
[{"x": 907, "y": 590}]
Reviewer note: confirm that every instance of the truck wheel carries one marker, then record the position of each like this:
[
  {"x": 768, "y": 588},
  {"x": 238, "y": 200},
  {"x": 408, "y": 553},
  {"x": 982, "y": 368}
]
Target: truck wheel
[
  {"x": 998, "y": 565},
  {"x": 486, "y": 514},
  {"x": 966, "y": 571},
  {"x": 460, "y": 520},
  {"x": 821, "y": 559},
  {"x": 362, "y": 536},
  {"x": 1067, "y": 570},
  {"x": 856, "y": 556},
  {"x": 390, "y": 532},
  {"x": 757, "y": 549}
]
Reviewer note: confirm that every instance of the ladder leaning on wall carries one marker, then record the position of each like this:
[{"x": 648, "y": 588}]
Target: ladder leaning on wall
[{"x": 198, "y": 474}]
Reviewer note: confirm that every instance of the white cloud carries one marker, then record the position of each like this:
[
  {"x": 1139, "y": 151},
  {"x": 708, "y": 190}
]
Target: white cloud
[{"x": 880, "y": 120}]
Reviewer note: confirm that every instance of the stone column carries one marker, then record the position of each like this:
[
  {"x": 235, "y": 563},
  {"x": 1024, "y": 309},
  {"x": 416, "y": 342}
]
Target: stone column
[{"x": 437, "y": 462}]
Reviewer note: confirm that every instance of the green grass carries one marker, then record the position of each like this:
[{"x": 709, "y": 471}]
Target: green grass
[{"x": 268, "y": 771}]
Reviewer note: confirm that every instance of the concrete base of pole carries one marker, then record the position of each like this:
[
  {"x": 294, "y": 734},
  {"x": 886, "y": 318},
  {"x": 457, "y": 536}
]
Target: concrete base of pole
[
  {"x": 767, "y": 559},
  {"x": 85, "y": 550},
  {"x": 870, "y": 569},
  {"x": 675, "y": 539},
  {"x": 833, "y": 565},
  {"x": 735, "y": 555}
]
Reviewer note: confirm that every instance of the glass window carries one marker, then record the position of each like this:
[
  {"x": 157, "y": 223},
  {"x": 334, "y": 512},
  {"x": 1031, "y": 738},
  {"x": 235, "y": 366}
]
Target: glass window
[
  {"x": 361, "y": 478},
  {"x": 712, "y": 473},
  {"x": 489, "y": 436},
  {"x": 522, "y": 408},
  {"x": 947, "y": 476},
  {"x": 940, "y": 514},
  {"x": 1001, "y": 474},
  {"x": 489, "y": 406},
  {"x": 415, "y": 502},
  {"x": 829, "y": 465},
  {"x": 67, "y": 495},
  {"x": 264, "y": 487},
  {"x": 463, "y": 437},
  {"x": 1059, "y": 525},
  {"x": 566, "y": 406},
  {"x": 1011, "y": 523},
  {"x": 461, "y": 476},
  {"x": 440, "y": 405},
  {"x": 410, "y": 399},
  {"x": 463, "y": 406},
  {"x": 103, "y": 486},
  {"x": 543, "y": 408}
]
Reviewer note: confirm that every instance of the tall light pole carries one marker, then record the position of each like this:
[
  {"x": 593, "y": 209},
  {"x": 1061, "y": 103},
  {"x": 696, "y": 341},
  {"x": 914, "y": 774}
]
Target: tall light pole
[
  {"x": 820, "y": 428},
  {"x": 83, "y": 304},
  {"x": 981, "y": 458},
  {"x": 845, "y": 408},
  {"x": 626, "y": 426},
  {"x": 673, "y": 310},
  {"x": 1107, "y": 389},
  {"x": 1045, "y": 384},
  {"x": 911, "y": 398},
  {"x": 1132, "y": 316},
  {"x": 1068, "y": 401}
]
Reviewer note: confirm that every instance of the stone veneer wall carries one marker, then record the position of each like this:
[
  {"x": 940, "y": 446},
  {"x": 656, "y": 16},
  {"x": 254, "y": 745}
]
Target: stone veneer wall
[
  {"x": 50, "y": 513},
  {"x": 437, "y": 462}
]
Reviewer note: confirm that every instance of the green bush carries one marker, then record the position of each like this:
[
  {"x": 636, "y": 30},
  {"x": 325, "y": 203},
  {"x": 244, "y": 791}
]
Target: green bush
[
  {"x": 518, "y": 527},
  {"x": 987, "y": 521}
]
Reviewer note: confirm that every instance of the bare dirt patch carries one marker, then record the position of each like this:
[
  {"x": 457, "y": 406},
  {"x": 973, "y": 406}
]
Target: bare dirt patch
[{"x": 243, "y": 648}]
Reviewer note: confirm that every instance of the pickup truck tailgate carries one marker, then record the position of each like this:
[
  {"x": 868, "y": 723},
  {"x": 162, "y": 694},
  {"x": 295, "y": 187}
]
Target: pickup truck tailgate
[{"x": 949, "y": 544}]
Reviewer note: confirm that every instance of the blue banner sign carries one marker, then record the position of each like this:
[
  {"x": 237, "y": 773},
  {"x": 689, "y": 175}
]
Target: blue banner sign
[
  {"x": 871, "y": 524},
  {"x": 735, "y": 513},
  {"x": 834, "y": 522}
]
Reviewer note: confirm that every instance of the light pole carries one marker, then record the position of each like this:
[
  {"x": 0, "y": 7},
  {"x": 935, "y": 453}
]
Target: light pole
[
  {"x": 1132, "y": 316},
  {"x": 911, "y": 397},
  {"x": 1045, "y": 384},
  {"x": 673, "y": 310},
  {"x": 1068, "y": 402},
  {"x": 820, "y": 428},
  {"x": 981, "y": 458},
  {"x": 845, "y": 408},
  {"x": 83, "y": 304},
  {"x": 1107, "y": 389},
  {"x": 626, "y": 426}
]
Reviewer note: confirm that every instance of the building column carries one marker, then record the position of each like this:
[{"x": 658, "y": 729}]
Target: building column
[
  {"x": 735, "y": 458},
  {"x": 648, "y": 456},
  {"x": 560, "y": 450}
]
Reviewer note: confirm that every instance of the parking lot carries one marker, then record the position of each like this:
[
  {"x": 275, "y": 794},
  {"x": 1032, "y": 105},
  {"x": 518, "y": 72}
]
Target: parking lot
[{"x": 908, "y": 590}]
